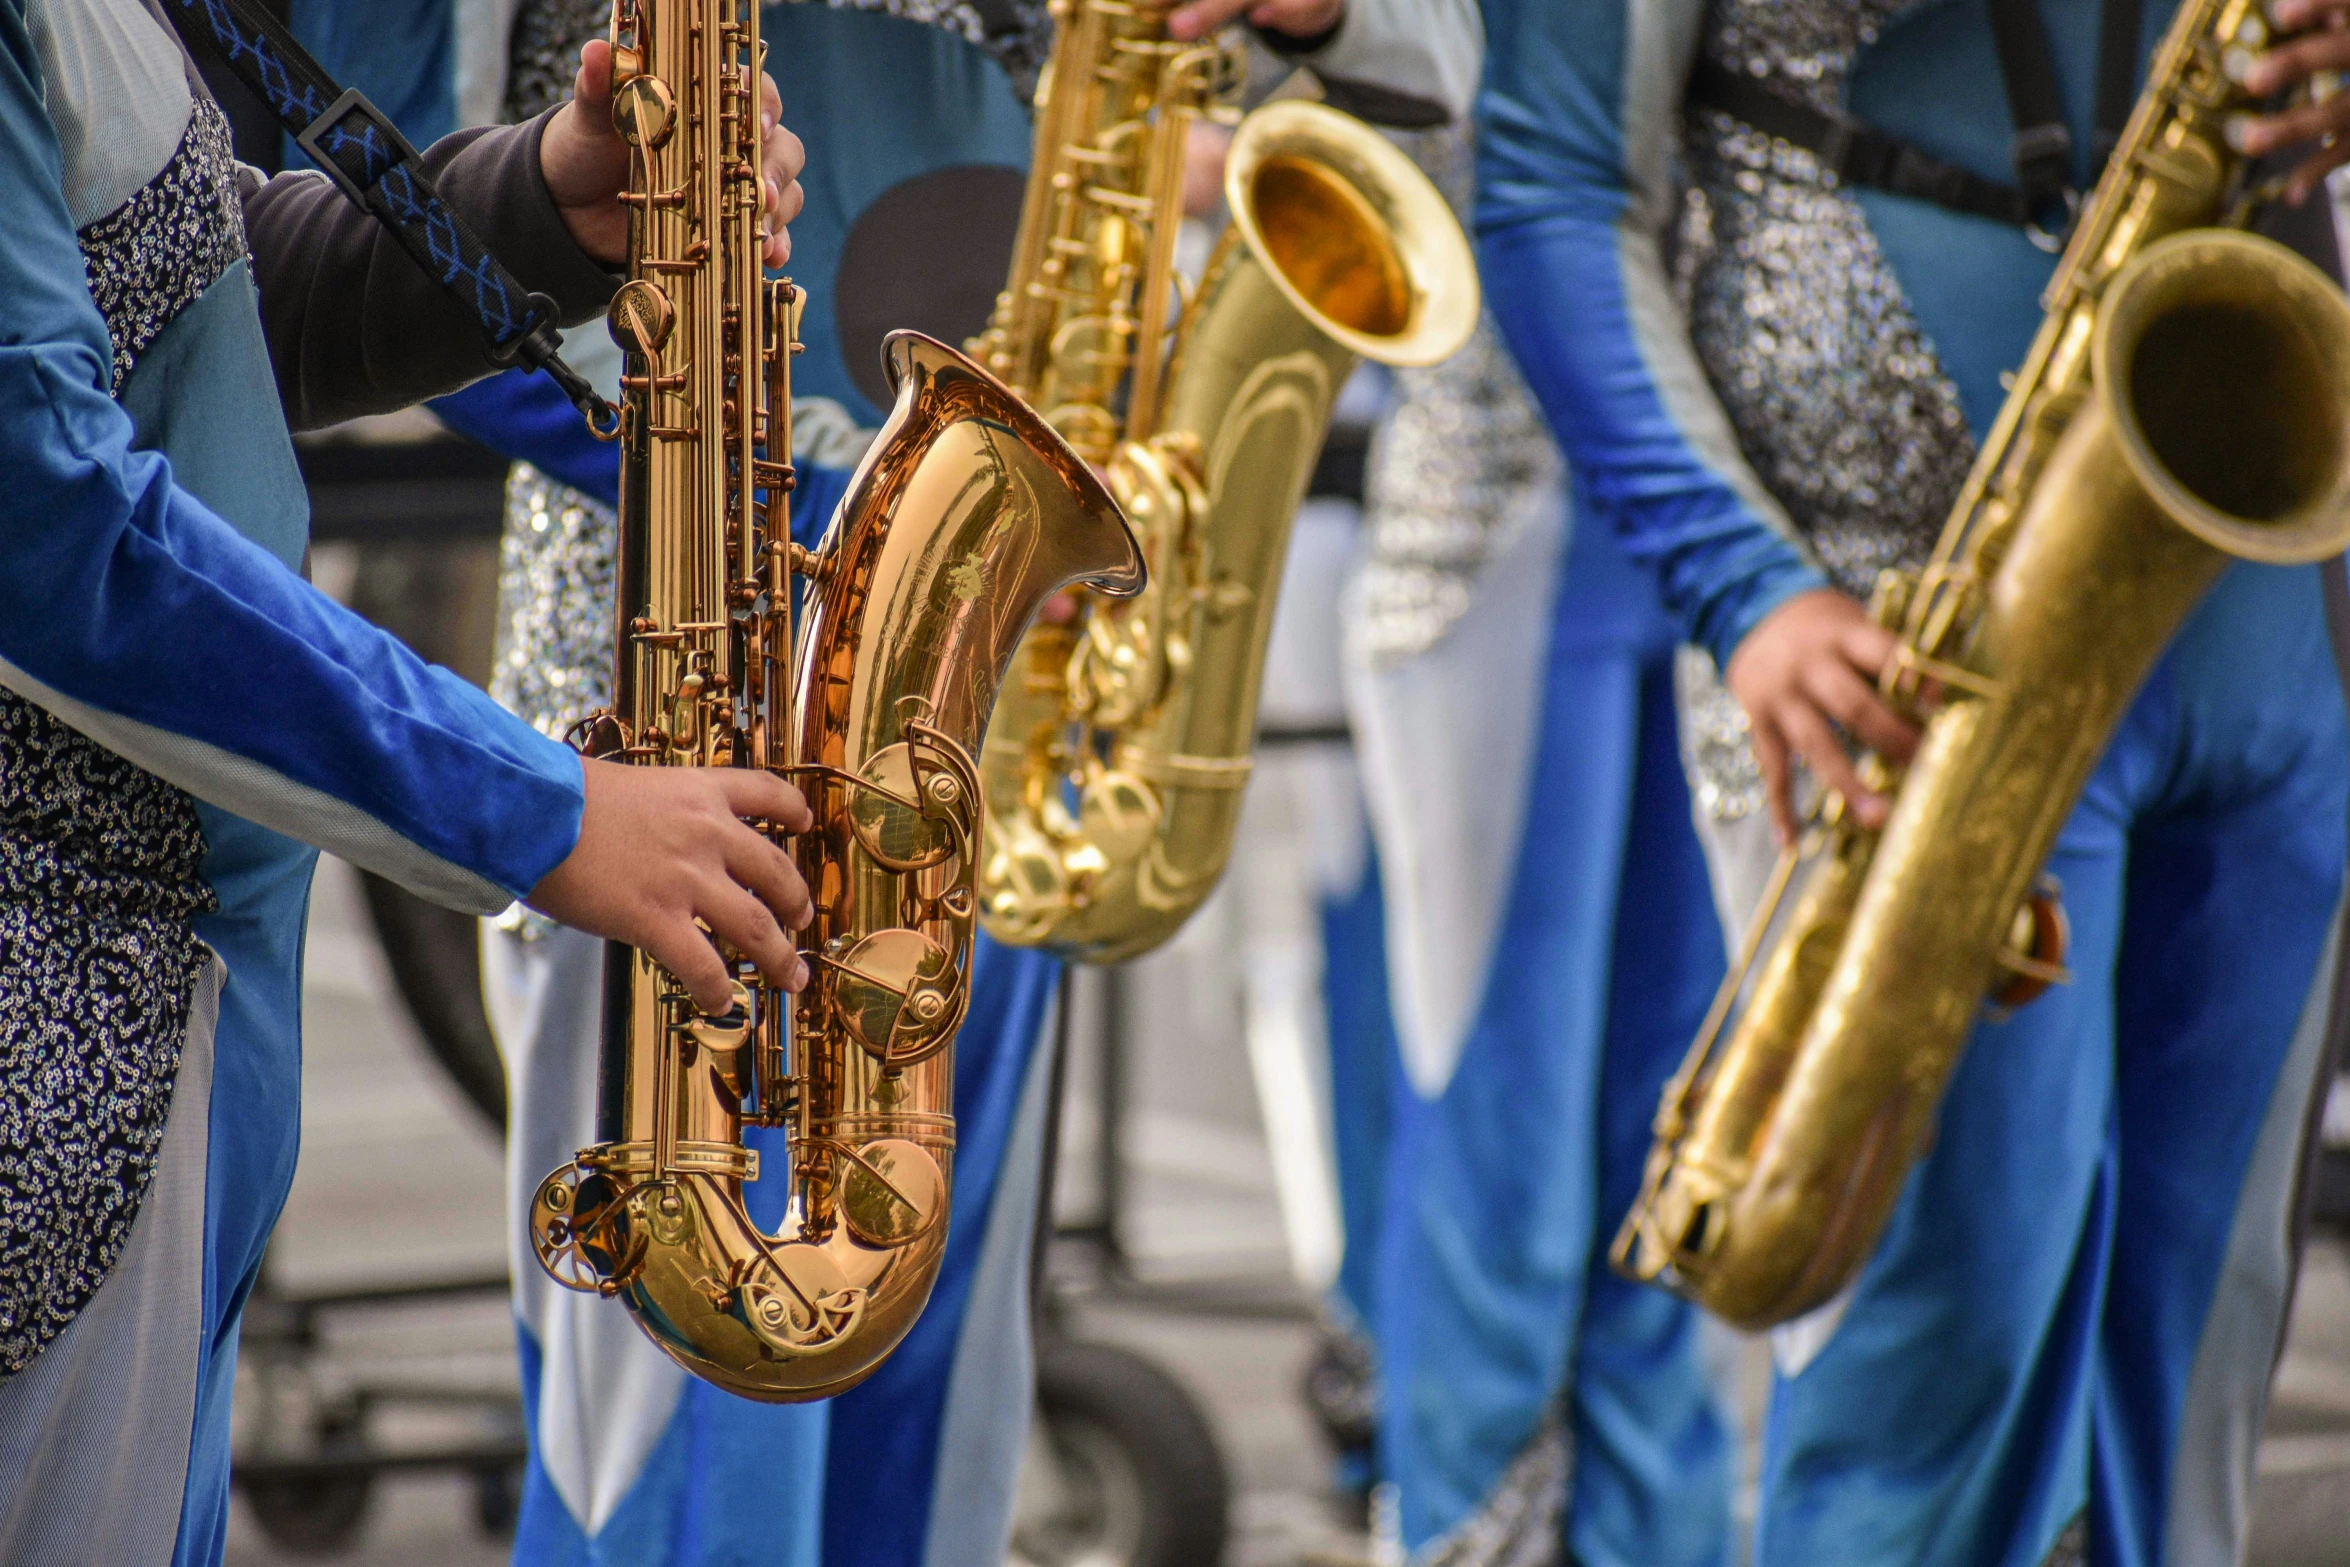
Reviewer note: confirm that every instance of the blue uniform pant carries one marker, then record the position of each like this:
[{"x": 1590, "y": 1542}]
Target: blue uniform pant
[
  {"x": 2078, "y": 1302},
  {"x": 1506, "y": 1345}
]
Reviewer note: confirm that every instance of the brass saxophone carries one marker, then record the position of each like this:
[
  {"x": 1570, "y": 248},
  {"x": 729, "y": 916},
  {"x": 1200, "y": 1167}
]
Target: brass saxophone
[
  {"x": 2187, "y": 400},
  {"x": 967, "y": 513},
  {"x": 1115, "y": 763}
]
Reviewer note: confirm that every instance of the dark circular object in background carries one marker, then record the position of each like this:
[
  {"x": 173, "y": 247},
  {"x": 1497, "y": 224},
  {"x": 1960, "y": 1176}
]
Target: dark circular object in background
[
  {"x": 1136, "y": 1479},
  {"x": 929, "y": 253}
]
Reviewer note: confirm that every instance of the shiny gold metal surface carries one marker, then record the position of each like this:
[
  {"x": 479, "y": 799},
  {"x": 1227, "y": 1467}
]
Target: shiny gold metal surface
[
  {"x": 2187, "y": 400},
  {"x": 1115, "y": 763},
  {"x": 966, "y": 514}
]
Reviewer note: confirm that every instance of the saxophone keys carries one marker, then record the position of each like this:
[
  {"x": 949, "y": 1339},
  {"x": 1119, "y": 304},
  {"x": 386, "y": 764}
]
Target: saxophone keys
[
  {"x": 641, "y": 317},
  {"x": 900, "y": 816},
  {"x": 892, "y": 1194},
  {"x": 644, "y": 110},
  {"x": 584, "y": 1232},
  {"x": 899, "y": 994},
  {"x": 2038, "y": 939}
]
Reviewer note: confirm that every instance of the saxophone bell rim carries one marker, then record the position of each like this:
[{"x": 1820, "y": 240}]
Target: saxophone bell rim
[
  {"x": 915, "y": 361},
  {"x": 1411, "y": 214},
  {"x": 2228, "y": 267}
]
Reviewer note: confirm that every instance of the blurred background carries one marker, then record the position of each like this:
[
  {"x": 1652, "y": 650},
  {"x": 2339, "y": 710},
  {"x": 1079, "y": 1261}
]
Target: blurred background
[{"x": 1189, "y": 1403}]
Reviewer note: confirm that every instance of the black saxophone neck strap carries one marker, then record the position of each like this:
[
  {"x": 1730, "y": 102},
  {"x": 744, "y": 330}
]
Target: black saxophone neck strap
[
  {"x": 360, "y": 149},
  {"x": 2042, "y": 197}
]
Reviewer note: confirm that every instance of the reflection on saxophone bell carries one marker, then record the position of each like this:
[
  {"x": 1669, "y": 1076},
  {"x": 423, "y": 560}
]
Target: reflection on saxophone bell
[
  {"x": 2187, "y": 401},
  {"x": 966, "y": 514}
]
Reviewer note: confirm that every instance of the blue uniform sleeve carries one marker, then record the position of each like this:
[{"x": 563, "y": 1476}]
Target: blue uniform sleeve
[
  {"x": 1574, "y": 133},
  {"x": 142, "y": 618},
  {"x": 524, "y": 417}
]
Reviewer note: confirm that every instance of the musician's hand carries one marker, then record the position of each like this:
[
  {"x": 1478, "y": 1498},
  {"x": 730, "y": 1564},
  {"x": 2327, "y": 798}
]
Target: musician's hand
[
  {"x": 585, "y": 164},
  {"x": 1811, "y": 665},
  {"x": 662, "y": 847},
  {"x": 2319, "y": 42},
  {"x": 1289, "y": 18}
]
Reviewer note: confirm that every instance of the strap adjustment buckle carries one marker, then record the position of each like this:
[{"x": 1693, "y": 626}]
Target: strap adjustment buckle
[{"x": 378, "y": 146}]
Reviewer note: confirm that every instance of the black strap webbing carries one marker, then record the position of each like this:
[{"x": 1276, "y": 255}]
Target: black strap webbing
[
  {"x": 1860, "y": 154},
  {"x": 1855, "y": 152},
  {"x": 360, "y": 149},
  {"x": 2043, "y": 147}
]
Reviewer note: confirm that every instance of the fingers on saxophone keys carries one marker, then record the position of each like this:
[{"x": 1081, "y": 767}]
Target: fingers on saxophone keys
[
  {"x": 1854, "y": 703},
  {"x": 1848, "y": 692},
  {"x": 682, "y": 949},
  {"x": 748, "y": 925},
  {"x": 2311, "y": 58},
  {"x": 764, "y": 797},
  {"x": 1823, "y": 753},
  {"x": 2294, "y": 15},
  {"x": 769, "y": 875}
]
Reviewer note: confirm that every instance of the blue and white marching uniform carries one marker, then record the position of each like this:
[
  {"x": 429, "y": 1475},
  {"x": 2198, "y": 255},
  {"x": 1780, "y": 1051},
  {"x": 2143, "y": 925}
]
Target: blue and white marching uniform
[
  {"x": 1551, "y": 944},
  {"x": 2060, "y": 1350},
  {"x": 182, "y": 718}
]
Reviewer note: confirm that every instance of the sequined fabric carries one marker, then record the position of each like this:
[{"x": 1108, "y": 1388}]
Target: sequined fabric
[
  {"x": 100, "y": 860},
  {"x": 555, "y": 585},
  {"x": 542, "y": 52},
  {"x": 1717, "y": 750},
  {"x": 98, "y": 970},
  {"x": 1834, "y": 392},
  {"x": 156, "y": 254},
  {"x": 1520, "y": 1522},
  {"x": 552, "y": 660},
  {"x": 1450, "y": 471}
]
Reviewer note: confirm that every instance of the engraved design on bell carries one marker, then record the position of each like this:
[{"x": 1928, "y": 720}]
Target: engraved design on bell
[
  {"x": 798, "y": 1301},
  {"x": 582, "y": 1229}
]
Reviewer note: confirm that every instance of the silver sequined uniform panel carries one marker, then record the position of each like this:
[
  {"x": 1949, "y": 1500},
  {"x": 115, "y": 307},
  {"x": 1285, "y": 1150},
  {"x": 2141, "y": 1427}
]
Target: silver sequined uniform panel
[
  {"x": 1520, "y": 1523},
  {"x": 555, "y": 584},
  {"x": 1449, "y": 469},
  {"x": 542, "y": 56},
  {"x": 1020, "y": 49},
  {"x": 1833, "y": 389}
]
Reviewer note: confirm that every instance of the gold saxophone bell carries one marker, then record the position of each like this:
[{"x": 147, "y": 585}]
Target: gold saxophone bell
[
  {"x": 2187, "y": 401},
  {"x": 1115, "y": 764},
  {"x": 965, "y": 515}
]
